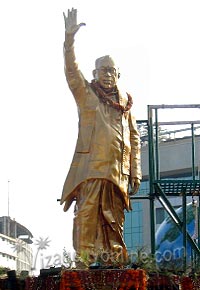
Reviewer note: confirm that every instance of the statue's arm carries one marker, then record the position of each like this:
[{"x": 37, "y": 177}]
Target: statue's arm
[
  {"x": 74, "y": 77},
  {"x": 136, "y": 174}
]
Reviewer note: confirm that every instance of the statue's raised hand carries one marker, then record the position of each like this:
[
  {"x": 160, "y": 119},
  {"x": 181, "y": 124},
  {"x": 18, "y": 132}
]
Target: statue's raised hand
[{"x": 71, "y": 26}]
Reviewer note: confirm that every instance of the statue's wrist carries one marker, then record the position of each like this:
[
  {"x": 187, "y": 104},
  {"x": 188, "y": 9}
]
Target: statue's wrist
[{"x": 69, "y": 40}]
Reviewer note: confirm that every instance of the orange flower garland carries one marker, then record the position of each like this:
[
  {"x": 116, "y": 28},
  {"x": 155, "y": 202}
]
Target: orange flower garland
[
  {"x": 89, "y": 279},
  {"x": 103, "y": 97},
  {"x": 103, "y": 279},
  {"x": 42, "y": 283},
  {"x": 186, "y": 283},
  {"x": 70, "y": 279}
]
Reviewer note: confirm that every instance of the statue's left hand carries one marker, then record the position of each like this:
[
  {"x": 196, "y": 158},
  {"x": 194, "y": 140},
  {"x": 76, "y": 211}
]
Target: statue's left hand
[{"x": 135, "y": 184}]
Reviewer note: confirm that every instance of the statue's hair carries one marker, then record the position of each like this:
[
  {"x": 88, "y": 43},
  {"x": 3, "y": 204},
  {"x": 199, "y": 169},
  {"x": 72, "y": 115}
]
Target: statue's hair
[{"x": 104, "y": 59}]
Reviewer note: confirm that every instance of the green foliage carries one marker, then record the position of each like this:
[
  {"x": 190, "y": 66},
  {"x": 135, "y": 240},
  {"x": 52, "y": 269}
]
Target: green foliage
[
  {"x": 67, "y": 259},
  {"x": 3, "y": 270},
  {"x": 143, "y": 260}
]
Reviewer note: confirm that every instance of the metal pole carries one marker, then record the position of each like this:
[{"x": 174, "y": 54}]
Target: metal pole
[
  {"x": 184, "y": 201},
  {"x": 193, "y": 152},
  {"x": 194, "y": 106},
  {"x": 157, "y": 161},
  {"x": 151, "y": 178},
  {"x": 8, "y": 198},
  {"x": 198, "y": 227}
]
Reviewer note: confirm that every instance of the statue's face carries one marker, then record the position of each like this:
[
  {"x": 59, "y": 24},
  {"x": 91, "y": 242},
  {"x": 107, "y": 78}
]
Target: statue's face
[
  {"x": 107, "y": 77},
  {"x": 106, "y": 72}
]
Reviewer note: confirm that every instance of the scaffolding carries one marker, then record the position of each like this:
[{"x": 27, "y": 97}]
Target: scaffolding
[{"x": 161, "y": 188}]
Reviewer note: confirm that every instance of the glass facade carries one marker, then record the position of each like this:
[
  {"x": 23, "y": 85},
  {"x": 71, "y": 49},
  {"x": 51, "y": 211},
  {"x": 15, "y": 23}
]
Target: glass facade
[{"x": 133, "y": 227}]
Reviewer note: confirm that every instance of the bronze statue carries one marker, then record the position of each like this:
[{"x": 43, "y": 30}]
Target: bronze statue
[{"x": 107, "y": 154}]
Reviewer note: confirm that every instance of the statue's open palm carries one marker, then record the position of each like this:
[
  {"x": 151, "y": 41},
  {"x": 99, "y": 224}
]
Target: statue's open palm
[{"x": 71, "y": 26}]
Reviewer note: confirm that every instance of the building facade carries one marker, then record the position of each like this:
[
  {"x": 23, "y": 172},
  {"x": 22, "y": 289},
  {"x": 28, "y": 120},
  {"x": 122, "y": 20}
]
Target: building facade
[
  {"x": 15, "y": 245},
  {"x": 175, "y": 162}
]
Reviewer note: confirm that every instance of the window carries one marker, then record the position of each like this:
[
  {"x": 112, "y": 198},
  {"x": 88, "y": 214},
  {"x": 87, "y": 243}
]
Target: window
[{"x": 160, "y": 215}]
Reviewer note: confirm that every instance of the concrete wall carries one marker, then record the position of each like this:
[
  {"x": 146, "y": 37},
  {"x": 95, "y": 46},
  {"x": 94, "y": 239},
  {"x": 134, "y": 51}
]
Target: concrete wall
[
  {"x": 15, "y": 254},
  {"x": 175, "y": 156}
]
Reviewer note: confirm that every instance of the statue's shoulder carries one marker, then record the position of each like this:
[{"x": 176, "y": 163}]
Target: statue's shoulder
[{"x": 125, "y": 98}]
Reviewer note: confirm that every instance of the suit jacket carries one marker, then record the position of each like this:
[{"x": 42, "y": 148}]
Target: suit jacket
[{"x": 108, "y": 144}]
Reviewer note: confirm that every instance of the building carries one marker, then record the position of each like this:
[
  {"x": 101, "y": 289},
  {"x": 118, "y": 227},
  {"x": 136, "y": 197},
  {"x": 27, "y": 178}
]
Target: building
[
  {"x": 15, "y": 245},
  {"x": 179, "y": 158}
]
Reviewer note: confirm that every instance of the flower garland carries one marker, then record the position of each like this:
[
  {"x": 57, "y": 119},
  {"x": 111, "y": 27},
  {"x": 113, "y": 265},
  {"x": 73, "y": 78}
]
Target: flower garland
[
  {"x": 133, "y": 278},
  {"x": 69, "y": 280},
  {"x": 186, "y": 283},
  {"x": 40, "y": 283},
  {"x": 117, "y": 279},
  {"x": 89, "y": 279},
  {"x": 105, "y": 97}
]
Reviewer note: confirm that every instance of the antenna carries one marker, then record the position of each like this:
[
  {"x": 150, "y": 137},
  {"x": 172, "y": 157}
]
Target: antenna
[{"x": 8, "y": 198}]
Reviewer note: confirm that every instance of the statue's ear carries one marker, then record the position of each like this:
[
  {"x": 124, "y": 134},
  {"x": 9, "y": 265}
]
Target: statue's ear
[
  {"x": 94, "y": 73},
  {"x": 118, "y": 75}
]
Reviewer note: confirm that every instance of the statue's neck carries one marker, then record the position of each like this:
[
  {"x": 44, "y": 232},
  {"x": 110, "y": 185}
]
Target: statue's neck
[{"x": 109, "y": 91}]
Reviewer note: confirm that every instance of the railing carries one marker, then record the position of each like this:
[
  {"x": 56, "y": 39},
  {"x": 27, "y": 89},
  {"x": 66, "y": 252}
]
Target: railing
[{"x": 161, "y": 188}]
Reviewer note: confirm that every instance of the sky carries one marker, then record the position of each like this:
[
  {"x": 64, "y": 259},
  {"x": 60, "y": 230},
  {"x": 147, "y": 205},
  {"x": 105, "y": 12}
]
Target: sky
[{"x": 156, "y": 45}]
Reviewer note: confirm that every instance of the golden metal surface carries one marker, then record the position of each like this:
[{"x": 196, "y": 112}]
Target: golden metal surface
[{"x": 106, "y": 159}]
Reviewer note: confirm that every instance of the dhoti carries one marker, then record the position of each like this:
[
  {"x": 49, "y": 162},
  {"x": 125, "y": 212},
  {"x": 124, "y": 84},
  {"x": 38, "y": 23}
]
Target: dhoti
[{"x": 99, "y": 219}]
